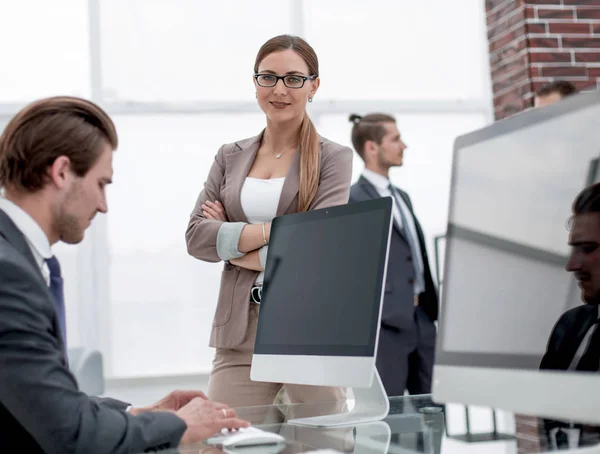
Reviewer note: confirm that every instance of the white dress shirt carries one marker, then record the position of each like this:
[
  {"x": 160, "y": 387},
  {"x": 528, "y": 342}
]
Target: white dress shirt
[
  {"x": 33, "y": 233},
  {"x": 382, "y": 183}
]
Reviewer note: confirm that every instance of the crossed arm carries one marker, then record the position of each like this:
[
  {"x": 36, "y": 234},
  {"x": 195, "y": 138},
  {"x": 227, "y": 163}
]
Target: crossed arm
[{"x": 252, "y": 238}]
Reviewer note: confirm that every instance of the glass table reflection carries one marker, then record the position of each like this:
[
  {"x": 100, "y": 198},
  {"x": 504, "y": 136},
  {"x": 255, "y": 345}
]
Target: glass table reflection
[{"x": 415, "y": 424}]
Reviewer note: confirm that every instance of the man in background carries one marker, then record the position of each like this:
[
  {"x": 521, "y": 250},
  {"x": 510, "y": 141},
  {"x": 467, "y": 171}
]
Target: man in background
[
  {"x": 55, "y": 163},
  {"x": 574, "y": 344},
  {"x": 553, "y": 92},
  {"x": 405, "y": 353}
]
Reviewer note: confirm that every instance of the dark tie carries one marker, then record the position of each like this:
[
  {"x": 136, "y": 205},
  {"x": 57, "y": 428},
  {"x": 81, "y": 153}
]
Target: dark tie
[
  {"x": 409, "y": 238},
  {"x": 590, "y": 361},
  {"x": 56, "y": 288}
]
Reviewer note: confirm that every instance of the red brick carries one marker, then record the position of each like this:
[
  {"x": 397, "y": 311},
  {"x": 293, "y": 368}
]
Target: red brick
[
  {"x": 592, "y": 12},
  {"x": 509, "y": 109},
  {"x": 555, "y": 13},
  {"x": 587, "y": 57},
  {"x": 530, "y": 12},
  {"x": 580, "y": 2},
  {"x": 503, "y": 12},
  {"x": 508, "y": 53},
  {"x": 570, "y": 28},
  {"x": 570, "y": 42},
  {"x": 510, "y": 66},
  {"x": 564, "y": 71},
  {"x": 543, "y": 42},
  {"x": 594, "y": 72},
  {"x": 514, "y": 79},
  {"x": 503, "y": 42},
  {"x": 535, "y": 71},
  {"x": 536, "y": 28},
  {"x": 583, "y": 85},
  {"x": 595, "y": 27},
  {"x": 550, "y": 57},
  {"x": 544, "y": 2},
  {"x": 504, "y": 25}
]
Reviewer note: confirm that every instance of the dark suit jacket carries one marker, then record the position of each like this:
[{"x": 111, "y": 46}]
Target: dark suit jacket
[
  {"x": 398, "y": 304},
  {"x": 41, "y": 408},
  {"x": 565, "y": 340},
  {"x": 567, "y": 335}
]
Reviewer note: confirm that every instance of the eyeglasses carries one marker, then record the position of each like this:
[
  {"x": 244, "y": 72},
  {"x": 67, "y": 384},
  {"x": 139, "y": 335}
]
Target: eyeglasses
[{"x": 290, "y": 81}]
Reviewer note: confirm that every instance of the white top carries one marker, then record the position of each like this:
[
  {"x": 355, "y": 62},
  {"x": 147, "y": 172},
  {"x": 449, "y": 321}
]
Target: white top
[
  {"x": 382, "y": 183},
  {"x": 33, "y": 233},
  {"x": 259, "y": 199}
]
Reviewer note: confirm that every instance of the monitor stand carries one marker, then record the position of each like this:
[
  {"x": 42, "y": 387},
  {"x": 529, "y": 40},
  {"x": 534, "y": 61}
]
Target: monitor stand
[{"x": 371, "y": 404}]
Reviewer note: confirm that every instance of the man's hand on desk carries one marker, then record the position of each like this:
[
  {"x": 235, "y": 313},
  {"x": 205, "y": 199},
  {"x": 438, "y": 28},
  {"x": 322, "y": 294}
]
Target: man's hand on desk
[
  {"x": 172, "y": 402},
  {"x": 205, "y": 418}
]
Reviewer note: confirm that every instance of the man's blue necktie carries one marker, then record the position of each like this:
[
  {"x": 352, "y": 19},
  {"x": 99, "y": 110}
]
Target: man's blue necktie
[{"x": 56, "y": 288}]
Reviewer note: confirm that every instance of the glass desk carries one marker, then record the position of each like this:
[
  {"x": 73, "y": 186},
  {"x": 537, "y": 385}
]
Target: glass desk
[{"x": 415, "y": 424}]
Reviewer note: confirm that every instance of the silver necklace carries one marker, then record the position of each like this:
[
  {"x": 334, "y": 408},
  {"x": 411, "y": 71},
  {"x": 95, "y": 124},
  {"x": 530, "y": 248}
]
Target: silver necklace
[{"x": 278, "y": 155}]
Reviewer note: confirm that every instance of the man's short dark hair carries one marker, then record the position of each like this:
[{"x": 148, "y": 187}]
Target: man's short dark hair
[
  {"x": 369, "y": 127},
  {"x": 587, "y": 201},
  {"x": 562, "y": 87},
  {"x": 47, "y": 129}
]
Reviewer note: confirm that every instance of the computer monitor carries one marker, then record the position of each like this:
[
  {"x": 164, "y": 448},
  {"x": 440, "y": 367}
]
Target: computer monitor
[
  {"x": 505, "y": 283},
  {"x": 322, "y": 296}
]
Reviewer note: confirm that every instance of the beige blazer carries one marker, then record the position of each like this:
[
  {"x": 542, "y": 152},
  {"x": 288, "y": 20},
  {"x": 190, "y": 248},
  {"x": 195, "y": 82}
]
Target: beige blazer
[{"x": 224, "y": 183}]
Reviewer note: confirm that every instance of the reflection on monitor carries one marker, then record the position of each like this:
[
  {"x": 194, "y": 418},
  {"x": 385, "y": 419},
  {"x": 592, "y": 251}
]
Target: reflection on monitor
[{"x": 505, "y": 283}]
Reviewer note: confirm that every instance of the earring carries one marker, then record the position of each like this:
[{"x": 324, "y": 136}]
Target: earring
[
  {"x": 309, "y": 99},
  {"x": 256, "y": 95}
]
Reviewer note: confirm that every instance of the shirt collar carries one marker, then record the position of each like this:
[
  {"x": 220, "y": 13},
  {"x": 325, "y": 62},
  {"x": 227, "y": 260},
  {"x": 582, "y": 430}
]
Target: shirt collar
[
  {"x": 31, "y": 230},
  {"x": 377, "y": 180}
]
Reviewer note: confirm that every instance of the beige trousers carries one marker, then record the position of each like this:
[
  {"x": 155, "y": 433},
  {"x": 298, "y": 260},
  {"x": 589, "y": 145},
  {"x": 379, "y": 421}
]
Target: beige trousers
[{"x": 230, "y": 382}]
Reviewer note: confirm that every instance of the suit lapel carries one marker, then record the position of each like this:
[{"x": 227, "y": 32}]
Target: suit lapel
[
  {"x": 415, "y": 220},
  {"x": 371, "y": 192},
  {"x": 291, "y": 187},
  {"x": 13, "y": 235},
  {"x": 583, "y": 322},
  {"x": 237, "y": 165}
]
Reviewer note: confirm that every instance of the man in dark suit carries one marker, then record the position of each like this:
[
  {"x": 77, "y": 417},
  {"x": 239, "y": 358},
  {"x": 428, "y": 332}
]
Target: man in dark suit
[
  {"x": 55, "y": 162},
  {"x": 574, "y": 343},
  {"x": 407, "y": 337}
]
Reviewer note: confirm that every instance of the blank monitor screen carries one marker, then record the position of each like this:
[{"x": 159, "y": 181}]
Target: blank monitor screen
[
  {"x": 505, "y": 283},
  {"x": 323, "y": 281}
]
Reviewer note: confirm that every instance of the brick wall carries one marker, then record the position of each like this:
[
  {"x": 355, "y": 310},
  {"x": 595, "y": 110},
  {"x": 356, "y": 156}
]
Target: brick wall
[{"x": 533, "y": 42}]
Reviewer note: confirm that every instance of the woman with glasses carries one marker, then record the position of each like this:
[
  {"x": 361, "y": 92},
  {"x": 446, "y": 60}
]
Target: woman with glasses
[{"x": 287, "y": 168}]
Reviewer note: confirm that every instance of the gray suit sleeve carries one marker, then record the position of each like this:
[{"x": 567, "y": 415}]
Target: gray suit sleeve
[
  {"x": 41, "y": 393},
  {"x": 228, "y": 239},
  {"x": 110, "y": 402}
]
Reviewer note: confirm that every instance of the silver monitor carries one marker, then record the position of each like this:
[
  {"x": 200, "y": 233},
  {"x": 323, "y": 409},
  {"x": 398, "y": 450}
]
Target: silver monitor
[
  {"x": 322, "y": 296},
  {"x": 505, "y": 283}
]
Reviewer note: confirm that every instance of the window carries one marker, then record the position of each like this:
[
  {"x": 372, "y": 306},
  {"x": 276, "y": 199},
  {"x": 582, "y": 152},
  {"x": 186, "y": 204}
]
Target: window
[
  {"x": 185, "y": 50},
  {"x": 399, "y": 49},
  {"x": 162, "y": 301},
  {"x": 45, "y": 49}
]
